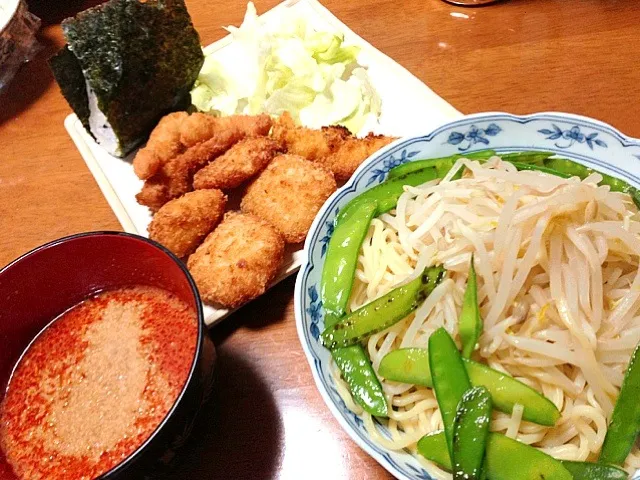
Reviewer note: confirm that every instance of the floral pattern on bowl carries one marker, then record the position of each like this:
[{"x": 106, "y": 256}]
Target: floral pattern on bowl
[{"x": 585, "y": 140}]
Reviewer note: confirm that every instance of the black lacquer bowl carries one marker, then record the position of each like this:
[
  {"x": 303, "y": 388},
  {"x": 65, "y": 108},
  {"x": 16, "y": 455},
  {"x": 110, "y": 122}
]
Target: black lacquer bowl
[{"x": 46, "y": 281}]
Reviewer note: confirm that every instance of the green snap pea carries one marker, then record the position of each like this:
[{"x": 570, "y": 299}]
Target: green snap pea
[
  {"x": 507, "y": 392},
  {"x": 527, "y": 156},
  {"x": 383, "y": 312},
  {"x": 357, "y": 371},
  {"x": 470, "y": 323},
  {"x": 625, "y": 420},
  {"x": 387, "y": 193},
  {"x": 407, "y": 365},
  {"x": 594, "y": 471},
  {"x": 341, "y": 261},
  {"x": 411, "y": 365},
  {"x": 470, "y": 433},
  {"x": 337, "y": 280},
  {"x": 450, "y": 380},
  {"x": 442, "y": 164},
  {"x": 505, "y": 459},
  {"x": 433, "y": 447}
]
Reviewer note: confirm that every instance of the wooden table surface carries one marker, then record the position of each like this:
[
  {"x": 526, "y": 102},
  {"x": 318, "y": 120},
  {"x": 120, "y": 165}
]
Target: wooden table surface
[{"x": 266, "y": 419}]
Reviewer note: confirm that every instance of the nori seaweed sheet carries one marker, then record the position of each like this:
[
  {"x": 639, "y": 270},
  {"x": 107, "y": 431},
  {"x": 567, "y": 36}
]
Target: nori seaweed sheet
[
  {"x": 68, "y": 74},
  {"x": 141, "y": 58}
]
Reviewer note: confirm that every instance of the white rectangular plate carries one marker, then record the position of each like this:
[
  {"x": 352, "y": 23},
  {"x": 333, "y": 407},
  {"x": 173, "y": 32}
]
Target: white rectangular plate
[{"x": 408, "y": 108}]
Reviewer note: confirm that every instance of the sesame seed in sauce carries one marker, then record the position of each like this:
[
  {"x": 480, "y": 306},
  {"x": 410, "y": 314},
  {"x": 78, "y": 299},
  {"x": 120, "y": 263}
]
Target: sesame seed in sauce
[{"x": 96, "y": 384}]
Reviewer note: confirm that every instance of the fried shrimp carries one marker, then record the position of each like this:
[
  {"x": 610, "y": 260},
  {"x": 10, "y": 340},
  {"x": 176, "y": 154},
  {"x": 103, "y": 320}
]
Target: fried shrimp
[
  {"x": 288, "y": 194},
  {"x": 181, "y": 224},
  {"x": 200, "y": 126},
  {"x": 237, "y": 261},
  {"x": 241, "y": 162},
  {"x": 203, "y": 138},
  {"x": 164, "y": 143},
  {"x": 175, "y": 177}
]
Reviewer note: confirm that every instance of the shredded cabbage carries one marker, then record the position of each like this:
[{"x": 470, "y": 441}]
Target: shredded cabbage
[{"x": 288, "y": 66}]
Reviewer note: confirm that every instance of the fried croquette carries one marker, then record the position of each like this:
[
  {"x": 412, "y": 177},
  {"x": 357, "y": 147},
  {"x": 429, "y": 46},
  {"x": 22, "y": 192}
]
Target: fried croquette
[
  {"x": 237, "y": 261},
  {"x": 311, "y": 144},
  {"x": 288, "y": 194},
  {"x": 353, "y": 151},
  {"x": 203, "y": 138},
  {"x": 181, "y": 224},
  {"x": 245, "y": 159}
]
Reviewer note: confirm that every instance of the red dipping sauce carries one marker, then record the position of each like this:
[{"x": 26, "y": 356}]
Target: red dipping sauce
[{"x": 95, "y": 384}]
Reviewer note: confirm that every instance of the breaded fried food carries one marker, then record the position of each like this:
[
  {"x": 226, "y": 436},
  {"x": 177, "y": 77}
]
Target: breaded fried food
[
  {"x": 334, "y": 147},
  {"x": 175, "y": 176},
  {"x": 201, "y": 126},
  {"x": 244, "y": 160},
  {"x": 181, "y": 224},
  {"x": 353, "y": 151},
  {"x": 163, "y": 144},
  {"x": 288, "y": 194},
  {"x": 203, "y": 138},
  {"x": 311, "y": 144},
  {"x": 237, "y": 261}
]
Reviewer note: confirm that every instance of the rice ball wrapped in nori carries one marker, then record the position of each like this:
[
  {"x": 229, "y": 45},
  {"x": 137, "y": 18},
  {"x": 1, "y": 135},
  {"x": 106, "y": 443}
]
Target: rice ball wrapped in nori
[{"x": 127, "y": 63}]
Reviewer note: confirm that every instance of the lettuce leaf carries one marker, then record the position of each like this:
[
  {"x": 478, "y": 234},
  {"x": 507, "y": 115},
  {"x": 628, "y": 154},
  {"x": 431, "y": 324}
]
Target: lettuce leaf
[{"x": 288, "y": 66}]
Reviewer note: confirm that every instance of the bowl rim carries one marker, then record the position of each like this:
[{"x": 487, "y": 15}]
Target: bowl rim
[
  {"x": 202, "y": 329},
  {"x": 306, "y": 262}
]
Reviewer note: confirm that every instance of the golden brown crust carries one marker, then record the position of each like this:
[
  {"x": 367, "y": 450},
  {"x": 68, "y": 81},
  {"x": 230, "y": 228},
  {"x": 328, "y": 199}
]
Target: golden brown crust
[
  {"x": 237, "y": 261},
  {"x": 154, "y": 193},
  {"x": 201, "y": 126},
  {"x": 353, "y": 151},
  {"x": 202, "y": 138},
  {"x": 175, "y": 176},
  {"x": 288, "y": 194},
  {"x": 311, "y": 144},
  {"x": 181, "y": 224},
  {"x": 245, "y": 159},
  {"x": 164, "y": 143},
  {"x": 334, "y": 147}
]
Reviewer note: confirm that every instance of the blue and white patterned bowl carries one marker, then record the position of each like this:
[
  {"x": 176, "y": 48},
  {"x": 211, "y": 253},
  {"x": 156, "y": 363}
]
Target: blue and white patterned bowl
[{"x": 588, "y": 141}]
